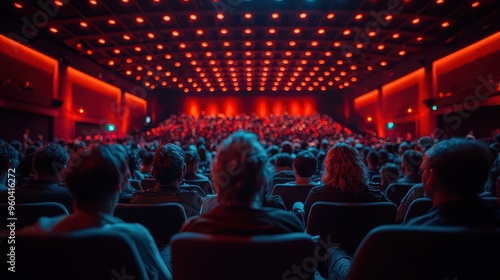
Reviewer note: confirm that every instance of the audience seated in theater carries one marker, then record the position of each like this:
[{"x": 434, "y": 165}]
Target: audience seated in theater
[
  {"x": 401, "y": 148},
  {"x": 95, "y": 176},
  {"x": 417, "y": 191},
  {"x": 192, "y": 159},
  {"x": 128, "y": 189},
  {"x": 490, "y": 185},
  {"x": 47, "y": 185},
  {"x": 147, "y": 162},
  {"x": 345, "y": 179},
  {"x": 283, "y": 165},
  {"x": 25, "y": 168},
  {"x": 389, "y": 173},
  {"x": 286, "y": 147},
  {"x": 453, "y": 173},
  {"x": 168, "y": 172},
  {"x": 304, "y": 167},
  {"x": 9, "y": 159},
  {"x": 241, "y": 174},
  {"x": 410, "y": 167},
  {"x": 424, "y": 143}
]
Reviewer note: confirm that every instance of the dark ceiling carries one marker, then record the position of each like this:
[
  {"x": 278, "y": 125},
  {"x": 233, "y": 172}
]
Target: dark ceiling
[{"x": 249, "y": 45}]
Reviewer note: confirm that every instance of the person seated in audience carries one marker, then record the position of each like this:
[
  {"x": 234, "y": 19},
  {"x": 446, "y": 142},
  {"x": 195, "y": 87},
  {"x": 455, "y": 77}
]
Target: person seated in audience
[
  {"x": 410, "y": 166},
  {"x": 147, "y": 161},
  {"x": 9, "y": 159},
  {"x": 95, "y": 176},
  {"x": 241, "y": 174},
  {"x": 417, "y": 191},
  {"x": 372, "y": 160},
  {"x": 493, "y": 175},
  {"x": 345, "y": 179},
  {"x": 286, "y": 147},
  {"x": 283, "y": 165},
  {"x": 192, "y": 159},
  {"x": 168, "y": 171},
  {"x": 47, "y": 185},
  {"x": 25, "y": 168},
  {"x": 304, "y": 167},
  {"x": 453, "y": 173},
  {"x": 389, "y": 173}
]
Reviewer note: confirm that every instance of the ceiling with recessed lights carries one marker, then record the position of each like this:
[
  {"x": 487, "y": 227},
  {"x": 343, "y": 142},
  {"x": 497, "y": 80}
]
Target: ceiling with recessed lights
[{"x": 249, "y": 45}]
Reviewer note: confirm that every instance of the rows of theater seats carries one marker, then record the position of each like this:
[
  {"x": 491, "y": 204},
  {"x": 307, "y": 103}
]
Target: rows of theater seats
[{"x": 381, "y": 248}]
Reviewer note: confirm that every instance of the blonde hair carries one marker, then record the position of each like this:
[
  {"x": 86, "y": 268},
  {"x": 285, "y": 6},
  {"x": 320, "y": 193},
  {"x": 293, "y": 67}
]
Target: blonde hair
[{"x": 345, "y": 170}]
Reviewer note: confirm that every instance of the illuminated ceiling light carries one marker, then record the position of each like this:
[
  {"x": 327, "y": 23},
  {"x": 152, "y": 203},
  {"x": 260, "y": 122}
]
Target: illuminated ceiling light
[
  {"x": 328, "y": 53},
  {"x": 359, "y": 45},
  {"x": 208, "y": 54},
  {"x": 308, "y": 53},
  {"x": 292, "y": 43},
  {"x": 166, "y": 18},
  {"x": 383, "y": 63},
  {"x": 340, "y": 62},
  {"x": 101, "y": 41},
  {"x": 336, "y": 44},
  {"x": 83, "y": 24},
  {"x": 159, "y": 46},
  {"x": 220, "y": 16},
  {"x": 321, "y": 31},
  {"x": 348, "y": 54},
  {"x": 89, "y": 52},
  {"x": 116, "y": 51},
  {"x": 248, "y": 43},
  {"x": 128, "y": 60},
  {"x": 296, "y": 30},
  {"x": 475, "y": 4},
  {"x": 93, "y": 2},
  {"x": 439, "y": 1},
  {"x": 314, "y": 43},
  {"x": 168, "y": 56},
  {"x": 409, "y": 110},
  {"x": 189, "y": 55},
  {"x": 112, "y": 21},
  {"x": 353, "y": 67},
  {"x": 285, "y": 61},
  {"x": 288, "y": 53},
  {"x": 372, "y": 33},
  {"x": 358, "y": 16},
  {"x": 415, "y": 21},
  {"x": 223, "y": 31},
  {"x": 212, "y": 62},
  {"x": 168, "y": 73},
  {"x": 226, "y": 44},
  {"x": 53, "y": 30},
  {"x": 149, "y": 58},
  {"x": 139, "y": 19},
  {"x": 303, "y": 61},
  {"x": 337, "y": 78},
  {"x": 159, "y": 68},
  {"x": 445, "y": 24},
  {"x": 332, "y": 68},
  {"x": 269, "y": 43},
  {"x": 395, "y": 35},
  {"x": 248, "y": 15},
  {"x": 126, "y": 37},
  {"x": 199, "y": 32},
  {"x": 182, "y": 45},
  {"x": 272, "y": 30},
  {"x": 419, "y": 38},
  {"x": 17, "y": 5},
  {"x": 388, "y": 17},
  {"x": 330, "y": 16},
  {"x": 268, "y": 53},
  {"x": 326, "y": 73},
  {"x": 381, "y": 47},
  {"x": 174, "y": 79},
  {"x": 111, "y": 63},
  {"x": 248, "y": 31},
  {"x": 151, "y": 35},
  {"x": 193, "y": 17},
  {"x": 198, "y": 89},
  {"x": 303, "y": 15},
  {"x": 316, "y": 68},
  {"x": 354, "y": 79},
  {"x": 275, "y": 15},
  {"x": 128, "y": 72},
  {"x": 346, "y": 84},
  {"x": 175, "y": 33},
  {"x": 204, "y": 44},
  {"x": 229, "y": 53},
  {"x": 346, "y": 32}
]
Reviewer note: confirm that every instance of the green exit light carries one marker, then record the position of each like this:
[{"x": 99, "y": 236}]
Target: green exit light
[
  {"x": 434, "y": 107},
  {"x": 390, "y": 125},
  {"x": 110, "y": 127}
]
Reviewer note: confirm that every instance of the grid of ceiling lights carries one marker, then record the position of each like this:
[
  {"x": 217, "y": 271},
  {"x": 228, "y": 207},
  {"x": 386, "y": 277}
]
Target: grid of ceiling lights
[{"x": 247, "y": 74}]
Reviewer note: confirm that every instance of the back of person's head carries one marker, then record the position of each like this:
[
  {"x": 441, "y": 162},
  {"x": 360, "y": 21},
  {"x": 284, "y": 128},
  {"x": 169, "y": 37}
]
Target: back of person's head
[
  {"x": 389, "y": 173},
  {"x": 191, "y": 158},
  {"x": 168, "y": 164},
  {"x": 281, "y": 160},
  {"x": 9, "y": 157},
  {"x": 412, "y": 160},
  {"x": 147, "y": 158},
  {"x": 305, "y": 164},
  {"x": 461, "y": 166},
  {"x": 373, "y": 158},
  {"x": 272, "y": 150},
  {"x": 286, "y": 147},
  {"x": 50, "y": 158},
  {"x": 345, "y": 169},
  {"x": 403, "y": 147},
  {"x": 493, "y": 176},
  {"x": 202, "y": 152},
  {"x": 240, "y": 169},
  {"x": 324, "y": 144},
  {"x": 424, "y": 140},
  {"x": 94, "y": 174}
]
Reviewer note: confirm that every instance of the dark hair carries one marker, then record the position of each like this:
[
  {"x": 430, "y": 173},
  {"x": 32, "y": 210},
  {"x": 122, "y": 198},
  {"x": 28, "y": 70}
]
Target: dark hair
[
  {"x": 191, "y": 158},
  {"x": 305, "y": 164},
  {"x": 168, "y": 164},
  {"x": 389, "y": 173},
  {"x": 283, "y": 160},
  {"x": 286, "y": 147},
  {"x": 95, "y": 173},
  {"x": 461, "y": 166},
  {"x": 147, "y": 158},
  {"x": 412, "y": 160},
  {"x": 373, "y": 157},
  {"x": 493, "y": 175},
  {"x": 7, "y": 154},
  {"x": 50, "y": 158}
]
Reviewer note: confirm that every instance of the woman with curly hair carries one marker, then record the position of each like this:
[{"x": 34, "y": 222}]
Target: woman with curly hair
[{"x": 345, "y": 179}]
